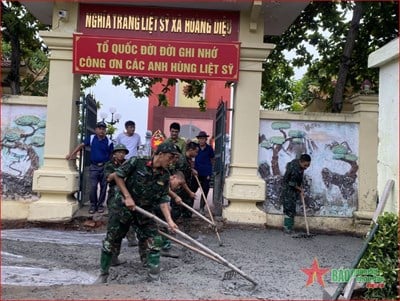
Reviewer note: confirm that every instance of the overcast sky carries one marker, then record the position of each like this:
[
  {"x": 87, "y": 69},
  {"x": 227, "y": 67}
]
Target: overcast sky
[{"x": 125, "y": 103}]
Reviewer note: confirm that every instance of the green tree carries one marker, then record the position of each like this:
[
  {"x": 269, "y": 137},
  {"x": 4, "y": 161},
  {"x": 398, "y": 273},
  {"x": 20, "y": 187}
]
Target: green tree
[
  {"x": 325, "y": 26},
  {"x": 22, "y": 46},
  {"x": 19, "y": 31}
]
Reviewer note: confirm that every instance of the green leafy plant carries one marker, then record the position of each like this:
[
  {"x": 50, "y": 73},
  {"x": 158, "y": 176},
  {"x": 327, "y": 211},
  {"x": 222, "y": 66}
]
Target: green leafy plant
[{"x": 382, "y": 254}]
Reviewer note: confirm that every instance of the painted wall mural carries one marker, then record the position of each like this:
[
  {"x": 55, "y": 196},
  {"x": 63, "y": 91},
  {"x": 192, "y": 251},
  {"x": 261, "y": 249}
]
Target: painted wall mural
[
  {"x": 331, "y": 183},
  {"x": 22, "y": 138}
]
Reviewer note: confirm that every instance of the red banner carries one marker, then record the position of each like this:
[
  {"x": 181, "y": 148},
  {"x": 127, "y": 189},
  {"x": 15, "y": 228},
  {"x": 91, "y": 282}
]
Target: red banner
[{"x": 155, "y": 58}]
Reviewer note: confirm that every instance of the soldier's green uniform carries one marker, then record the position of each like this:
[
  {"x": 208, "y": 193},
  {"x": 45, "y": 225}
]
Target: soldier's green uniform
[
  {"x": 114, "y": 204},
  {"x": 293, "y": 177},
  {"x": 148, "y": 188},
  {"x": 184, "y": 165},
  {"x": 180, "y": 143}
]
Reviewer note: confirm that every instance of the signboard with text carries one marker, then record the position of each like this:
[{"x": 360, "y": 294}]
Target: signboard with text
[
  {"x": 159, "y": 23},
  {"x": 155, "y": 58}
]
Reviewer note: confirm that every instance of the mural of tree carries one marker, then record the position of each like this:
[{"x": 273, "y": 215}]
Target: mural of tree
[
  {"x": 19, "y": 152},
  {"x": 330, "y": 184},
  {"x": 292, "y": 142},
  {"x": 296, "y": 140},
  {"x": 345, "y": 182}
]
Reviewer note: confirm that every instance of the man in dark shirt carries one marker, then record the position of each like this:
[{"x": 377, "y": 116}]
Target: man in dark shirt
[
  {"x": 204, "y": 162},
  {"x": 292, "y": 189},
  {"x": 100, "y": 152}
]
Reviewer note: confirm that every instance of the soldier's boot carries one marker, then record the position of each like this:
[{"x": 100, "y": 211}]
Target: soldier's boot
[
  {"x": 105, "y": 263},
  {"x": 102, "y": 278},
  {"x": 131, "y": 237},
  {"x": 115, "y": 261},
  {"x": 167, "y": 250},
  {"x": 288, "y": 223},
  {"x": 292, "y": 224},
  {"x": 153, "y": 266},
  {"x": 143, "y": 253}
]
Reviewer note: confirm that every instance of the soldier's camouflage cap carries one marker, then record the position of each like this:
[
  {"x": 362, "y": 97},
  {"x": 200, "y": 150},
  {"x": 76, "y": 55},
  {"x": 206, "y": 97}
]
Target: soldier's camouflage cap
[
  {"x": 119, "y": 147},
  {"x": 167, "y": 147}
]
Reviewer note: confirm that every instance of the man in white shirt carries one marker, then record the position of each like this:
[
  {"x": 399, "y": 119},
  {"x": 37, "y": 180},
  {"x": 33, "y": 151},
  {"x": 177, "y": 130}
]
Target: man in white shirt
[{"x": 130, "y": 139}]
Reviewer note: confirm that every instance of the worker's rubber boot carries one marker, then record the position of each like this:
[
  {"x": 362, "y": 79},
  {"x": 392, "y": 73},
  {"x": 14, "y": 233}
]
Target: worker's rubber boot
[
  {"x": 167, "y": 250},
  {"x": 115, "y": 261},
  {"x": 131, "y": 237},
  {"x": 105, "y": 263},
  {"x": 102, "y": 278},
  {"x": 143, "y": 252},
  {"x": 153, "y": 265},
  {"x": 288, "y": 225}
]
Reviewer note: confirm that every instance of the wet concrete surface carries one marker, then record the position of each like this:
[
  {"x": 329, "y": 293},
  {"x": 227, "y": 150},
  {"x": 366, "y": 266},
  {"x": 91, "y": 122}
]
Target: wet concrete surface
[{"x": 60, "y": 263}]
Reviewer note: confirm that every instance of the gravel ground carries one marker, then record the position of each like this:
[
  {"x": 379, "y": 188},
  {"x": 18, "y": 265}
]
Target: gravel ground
[{"x": 65, "y": 261}]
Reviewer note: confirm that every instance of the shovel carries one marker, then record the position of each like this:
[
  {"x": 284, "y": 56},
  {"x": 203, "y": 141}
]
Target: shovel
[{"x": 218, "y": 257}]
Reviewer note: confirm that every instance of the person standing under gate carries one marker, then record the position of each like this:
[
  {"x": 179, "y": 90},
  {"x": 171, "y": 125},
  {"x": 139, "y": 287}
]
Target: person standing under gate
[
  {"x": 204, "y": 163},
  {"x": 130, "y": 139},
  {"x": 292, "y": 189},
  {"x": 174, "y": 130},
  {"x": 100, "y": 152}
]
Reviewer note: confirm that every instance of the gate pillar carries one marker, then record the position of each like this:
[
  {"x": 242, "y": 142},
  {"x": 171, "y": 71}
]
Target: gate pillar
[
  {"x": 243, "y": 188},
  {"x": 57, "y": 179}
]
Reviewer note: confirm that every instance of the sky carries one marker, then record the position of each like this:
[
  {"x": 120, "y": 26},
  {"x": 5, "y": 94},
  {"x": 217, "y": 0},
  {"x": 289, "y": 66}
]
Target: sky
[{"x": 129, "y": 107}]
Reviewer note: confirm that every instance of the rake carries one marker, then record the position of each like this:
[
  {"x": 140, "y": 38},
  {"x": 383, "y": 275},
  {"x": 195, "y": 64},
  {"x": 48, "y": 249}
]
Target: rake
[
  {"x": 209, "y": 253},
  {"x": 227, "y": 275}
]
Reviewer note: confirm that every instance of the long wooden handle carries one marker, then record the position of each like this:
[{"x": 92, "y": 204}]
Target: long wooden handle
[
  {"x": 205, "y": 198},
  {"x": 304, "y": 211},
  {"x": 208, "y": 209},
  {"x": 182, "y": 243},
  {"x": 201, "y": 246},
  {"x": 198, "y": 214}
]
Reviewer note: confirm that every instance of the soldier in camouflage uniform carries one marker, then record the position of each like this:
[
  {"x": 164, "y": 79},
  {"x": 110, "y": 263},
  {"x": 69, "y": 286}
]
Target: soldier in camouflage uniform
[
  {"x": 188, "y": 190},
  {"x": 292, "y": 188},
  {"x": 114, "y": 203},
  {"x": 146, "y": 183}
]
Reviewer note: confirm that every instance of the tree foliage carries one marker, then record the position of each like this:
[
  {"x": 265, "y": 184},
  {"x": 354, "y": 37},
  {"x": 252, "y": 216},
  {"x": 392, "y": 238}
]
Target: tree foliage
[
  {"x": 22, "y": 46},
  {"x": 21, "y": 43},
  {"x": 325, "y": 26}
]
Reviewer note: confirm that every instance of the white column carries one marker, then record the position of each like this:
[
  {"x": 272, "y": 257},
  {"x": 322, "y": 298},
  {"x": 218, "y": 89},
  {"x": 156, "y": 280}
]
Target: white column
[
  {"x": 367, "y": 108},
  {"x": 57, "y": 179},
  {"x": 244, "y": 188}
]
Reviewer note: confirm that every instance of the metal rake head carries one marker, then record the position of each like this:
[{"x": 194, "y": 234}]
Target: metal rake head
[
  {"x": 303, "y": 235},
  {"x": 230, "y": 274}
]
